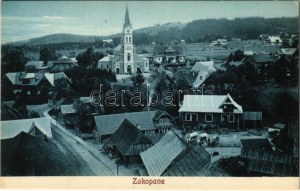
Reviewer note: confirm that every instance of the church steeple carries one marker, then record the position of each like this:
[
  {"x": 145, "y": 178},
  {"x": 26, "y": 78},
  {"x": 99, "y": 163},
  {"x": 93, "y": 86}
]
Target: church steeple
[{"x": 127, "y": 20}]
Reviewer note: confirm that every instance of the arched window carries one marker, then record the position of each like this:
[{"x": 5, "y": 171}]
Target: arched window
[
  {"x": 130, "y": 39},
  {"x": 128, "y": 57},
  {"x": 126, "y": 39},
  {"x": 107, "y": 66}
]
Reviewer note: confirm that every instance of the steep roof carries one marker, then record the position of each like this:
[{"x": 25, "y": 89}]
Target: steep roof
[
  {"x": 52, "y": 77},
  {"x": 257, "y": 143},
  {"x": 127, "y": 20},
  {"x": 161, "y": 49},
  {"x": 48, "y": 160},
  {"x": 288, "y": 51},
  {"x": 129, "y": 140},
  {"x": 16, "y": 78},
  {"x": 208, "y": 103},
  {"x": 159, "y": 157},
  {"x": 108, "y": 124},
  {"x": 270, "y": 162},
  {"x": 11, "y": 128},
  {"x": 191, "y": 164}
]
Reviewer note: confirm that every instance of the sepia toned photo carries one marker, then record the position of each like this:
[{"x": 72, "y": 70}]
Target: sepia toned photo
[{"x": 150, "y": 89}]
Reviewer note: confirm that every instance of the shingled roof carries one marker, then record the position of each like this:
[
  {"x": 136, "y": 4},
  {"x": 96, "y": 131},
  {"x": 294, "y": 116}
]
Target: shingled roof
[
  {"x": 108, "y": 124},
  {"x": 191, "y": 164},
  {"x": 159, "y": 157},
  {"x": 260, "y": 143},
  {"x": 129, "y": 140},
  {"x": 24, "y": 150},
  {"x": 270, "y": 162},
  {"x": 11, "y": 128}
]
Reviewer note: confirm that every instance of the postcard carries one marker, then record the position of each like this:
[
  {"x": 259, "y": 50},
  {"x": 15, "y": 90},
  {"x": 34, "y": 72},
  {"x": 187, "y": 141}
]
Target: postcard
[{"x": 150, "y": 95}]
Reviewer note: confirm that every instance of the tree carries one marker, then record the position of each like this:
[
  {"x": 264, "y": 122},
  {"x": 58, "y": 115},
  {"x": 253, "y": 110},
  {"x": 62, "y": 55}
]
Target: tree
[
  {"x": 47, "y": 54},
  {"x": 12, "y": 61}
]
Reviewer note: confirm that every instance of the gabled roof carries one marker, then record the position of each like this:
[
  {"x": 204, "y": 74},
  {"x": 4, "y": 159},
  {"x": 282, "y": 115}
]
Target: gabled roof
[
  {"x": 191, "y": 164},
  {"x": 256, "y": 143},
  {"x": 207, "y": 103},
  {"x": 16, "y": 78},
  {"x": 108, "y": 124},
  {"x": 288, "y": 51},
  {"x": 47, "y": 158},
  {"x": 52, "y": 77},
  {"x": 11, "y": 128},
  {"x": 270, "y": 162},
  {"x": 274, "y": 39},
  {"x": 160, "y": 113},
  {"x": 204, "y": 66},
  {"x": 159, "y": 157},
  {"x": 161, "y": 49},
  {"x": 129, "y": 140}
]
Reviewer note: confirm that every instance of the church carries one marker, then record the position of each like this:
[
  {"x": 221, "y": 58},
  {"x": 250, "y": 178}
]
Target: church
[{"x": 124, "y": 59}]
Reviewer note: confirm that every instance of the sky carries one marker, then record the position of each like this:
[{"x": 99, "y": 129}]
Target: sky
[{"x": 22, "y": 20}]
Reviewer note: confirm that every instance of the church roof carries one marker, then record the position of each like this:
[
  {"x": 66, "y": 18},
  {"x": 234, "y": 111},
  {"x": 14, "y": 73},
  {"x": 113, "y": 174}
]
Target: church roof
[{"x": 127, "y": 20}]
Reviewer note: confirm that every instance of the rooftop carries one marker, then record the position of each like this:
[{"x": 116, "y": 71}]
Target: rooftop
[
  {"x": 159, "y": 157},
  {"x": 208, "y": 103}
]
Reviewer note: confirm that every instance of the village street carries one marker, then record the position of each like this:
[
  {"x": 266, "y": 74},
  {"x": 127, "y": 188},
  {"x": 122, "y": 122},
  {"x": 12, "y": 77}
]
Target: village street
[{"x": 89, "y": 159}]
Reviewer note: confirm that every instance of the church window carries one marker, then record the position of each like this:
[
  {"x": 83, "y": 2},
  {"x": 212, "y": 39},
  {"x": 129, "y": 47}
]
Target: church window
[
  {"x": 146, "y": 64},
  {"x": 128, "y": 57},
  {"x": 107, "y": 66},
  {"x": 130, "y": 39},
  {"x": 126, "y": 39}
]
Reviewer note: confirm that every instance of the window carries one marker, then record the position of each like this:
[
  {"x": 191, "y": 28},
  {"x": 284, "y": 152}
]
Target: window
[
  {"x": 161, "y": 121},
  {"x": 188, "y": 117},
  {"x": 231, "y": 118},
  {"x": 208, "y": 117},
  {"x": 146, "y": 64},
  {"x": 200, "y": 77},
  {"x": 129, "y": 39},
  {"x": 166, "y": 120},
  {"x": 126, "y": 39},
  {"x": 128, "y": 57},
  {"x": 191, "y": 117},
  {"x": 107, "y": 66}
]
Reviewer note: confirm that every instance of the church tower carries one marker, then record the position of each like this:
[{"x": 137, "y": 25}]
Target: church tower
[{"x": 128, "y": 45}]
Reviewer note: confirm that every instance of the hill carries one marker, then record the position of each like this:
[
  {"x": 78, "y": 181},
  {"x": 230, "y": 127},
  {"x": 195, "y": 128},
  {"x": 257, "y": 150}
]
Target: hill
[{"x": 202, "y": 30}]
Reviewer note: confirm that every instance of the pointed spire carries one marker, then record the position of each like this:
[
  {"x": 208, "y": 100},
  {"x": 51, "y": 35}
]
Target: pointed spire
[{"x": 127, "y": 20}]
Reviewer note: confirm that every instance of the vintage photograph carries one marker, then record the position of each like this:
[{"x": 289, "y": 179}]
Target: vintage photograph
[{"x": 150, "y": 88}]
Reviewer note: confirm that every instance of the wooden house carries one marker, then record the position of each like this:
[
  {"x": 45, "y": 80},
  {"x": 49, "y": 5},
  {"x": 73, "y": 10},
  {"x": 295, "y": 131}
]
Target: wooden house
[
  {"x": 263, "y": 161},
  {"x": 129, "y": 142},
  {"x": 106, "y": 125},
  {"x": 210, "y": 111},
  {"x": 39, "y": 127}
]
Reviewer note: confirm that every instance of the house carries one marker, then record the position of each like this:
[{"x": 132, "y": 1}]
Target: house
[
  {"x": 129, "y": 142},
  {"x": 106, "y": 125},
  {"x": 63, "y": 64},
  {"x": 201, "y": 111},
  {"x": 26, "y": 155},
  {"x": 248, "y": 52},
  {"x": 162, "y": 118},
  {"x": 39, "y": 127},
  {"x": 263, "y": 161},
  {"x": 288, "y": 51},
  {"x": 69, "y": 112},
  {"x": 168, "y": 54},
  {"x": 33, "y": 81},
  {"x": 125, "y": 60},
  {"x": 274, "y": 40},
  {"x": 38, "y": 66},
  {"x": 159, "y": 157},
  {"x": 196, "y": 162},
  {"x": 263, "y": 64},
  {"x": 202, "y": 70}
]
